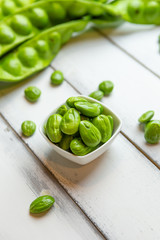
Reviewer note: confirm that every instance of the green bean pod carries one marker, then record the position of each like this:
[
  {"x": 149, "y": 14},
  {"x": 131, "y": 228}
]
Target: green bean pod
[
  {"x": 137, "y": 11},
  {"x": 31, "y": 20},
  {"x": 36, "y": 54}
]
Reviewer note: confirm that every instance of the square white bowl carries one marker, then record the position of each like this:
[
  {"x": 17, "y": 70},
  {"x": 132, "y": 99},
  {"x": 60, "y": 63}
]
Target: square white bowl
[{"x": 82, "y": 160}]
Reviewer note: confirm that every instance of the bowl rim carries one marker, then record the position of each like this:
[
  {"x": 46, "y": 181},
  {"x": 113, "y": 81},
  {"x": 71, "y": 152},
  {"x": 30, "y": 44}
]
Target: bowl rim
[{"x": 41, "y": 129}]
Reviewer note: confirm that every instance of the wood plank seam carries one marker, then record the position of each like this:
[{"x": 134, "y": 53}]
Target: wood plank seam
[
  {"x": 52, "y": 175},
  {"x": 123, "y": 133},
  {"x": 127, "y": 53}
]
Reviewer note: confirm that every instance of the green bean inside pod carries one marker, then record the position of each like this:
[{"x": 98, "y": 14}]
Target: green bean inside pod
[
  {"x": 31, "y": 20},
  {"x": 137, "y": 11},
  {"x": 36, "y": 54},
  {"x": 8, "y": 7}
]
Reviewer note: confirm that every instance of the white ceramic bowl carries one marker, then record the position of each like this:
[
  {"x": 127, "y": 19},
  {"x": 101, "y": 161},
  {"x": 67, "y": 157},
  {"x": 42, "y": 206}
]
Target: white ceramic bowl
[{"x": 82, "y": 160}]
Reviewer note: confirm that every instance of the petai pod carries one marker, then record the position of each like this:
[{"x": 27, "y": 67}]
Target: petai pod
[
  {"x": 88, "y": 109},
  {"x": 137, "y": 11},
  {"x": 53, "y": 128},
  {"x": 104, "y": 126},
  {"x": 70, "y": 122},
  {"x": 90, "y": 135},
  {"x": 37, "y": 53},
  {"x": 70, "y": 101},
  {"x": 65, "y": 142},
  {"x": 79, "y": 148},
  {"x": 32, "y": 19}
]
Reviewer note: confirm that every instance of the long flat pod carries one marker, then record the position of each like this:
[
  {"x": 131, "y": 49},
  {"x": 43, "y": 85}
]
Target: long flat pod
[
  {"x": 29, "y": 21},
  {"x": 137, "y": 11},
  {"x": 36, "y": 54}
]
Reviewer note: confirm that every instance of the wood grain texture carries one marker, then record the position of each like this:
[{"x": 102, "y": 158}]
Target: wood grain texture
[
  {"x": 141, "y": 42},
  {"x": 22, "y": 178},
  {"x": 119, "y": 192},
  {"x": 90, "y": 59}
]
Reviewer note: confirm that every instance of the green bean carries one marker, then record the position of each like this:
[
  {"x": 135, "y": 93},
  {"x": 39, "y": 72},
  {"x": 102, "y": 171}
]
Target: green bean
[
  {"x": 146, "y": 117},
  {"x": 32, "y": 93},
  {"x": 137, "y": 11},
  {"x": 31, "y": 20},
  {"x": 57, "y": 78},
  {"x": 28, "y": 128},
  {"x": 37, "y": 53}
]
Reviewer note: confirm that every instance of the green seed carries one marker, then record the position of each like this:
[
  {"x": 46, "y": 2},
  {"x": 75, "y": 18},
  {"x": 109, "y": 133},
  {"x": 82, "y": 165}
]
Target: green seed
[
  {"x": 21, "y": 25},
  {"x": 43, "y": 49},
  {"x": 57, "y": 78},
  {"x": 6, "y": 35},
  {"x": 8, "y": 7},
  {"x": 146, "y": 117},
  {"x": 89, "y": 133},
  {"x": 106, "y": 87},
  {"x": 79, "y": 148},
  {"x": 88, "y": 109},
  {"x": 135, "y": 9},
  {"x": 65, "y": 142},
  {"x": 53, "y": 128},
  {"x": 103, "y": 124},
  {"x": 72, "y": 100},
  {"x": 28, "y": 128},
  {"x": 152, "y": 132},
  {"x": 97, "y": 95},
  {"x": 70, "y": 122},
  {"x": 41, "y": 204},
  {"x": 62, "y": 110},
  {"x": 12, "y": 66},
  {"x": 111, "y": 121},
  {"x": 57, "y": 12},
  {"x": 39, "y": 18},
  {"x": 28, "y": 56},
  {"x": 32, "y": 93}
]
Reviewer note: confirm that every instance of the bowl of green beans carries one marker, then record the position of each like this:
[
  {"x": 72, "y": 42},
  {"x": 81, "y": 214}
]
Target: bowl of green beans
[{"x": 81, "y": 129}]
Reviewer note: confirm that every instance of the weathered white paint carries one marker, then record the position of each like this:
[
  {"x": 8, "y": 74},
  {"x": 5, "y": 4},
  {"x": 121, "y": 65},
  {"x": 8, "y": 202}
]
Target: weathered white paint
[
  {"x": 119, "y": 191},
  {"x": 139, "y": 41},
  {"x": 22, "y": 177}
]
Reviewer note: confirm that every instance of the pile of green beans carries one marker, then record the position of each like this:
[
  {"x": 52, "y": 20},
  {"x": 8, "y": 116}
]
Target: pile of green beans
[{"x": 79, "y": 126}]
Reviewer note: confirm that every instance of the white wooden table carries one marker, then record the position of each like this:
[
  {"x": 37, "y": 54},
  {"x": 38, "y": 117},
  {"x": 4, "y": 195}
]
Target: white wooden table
[{"x": 117, "y": 196}]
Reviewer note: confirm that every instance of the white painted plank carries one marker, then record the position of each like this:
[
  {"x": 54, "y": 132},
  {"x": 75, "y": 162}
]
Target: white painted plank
[
  {"x": 90, "y": 59},
  {"x": 139, "y": 41},
  {"x": 120, "y": 191},
  {"x": 22, "y": 178}
]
